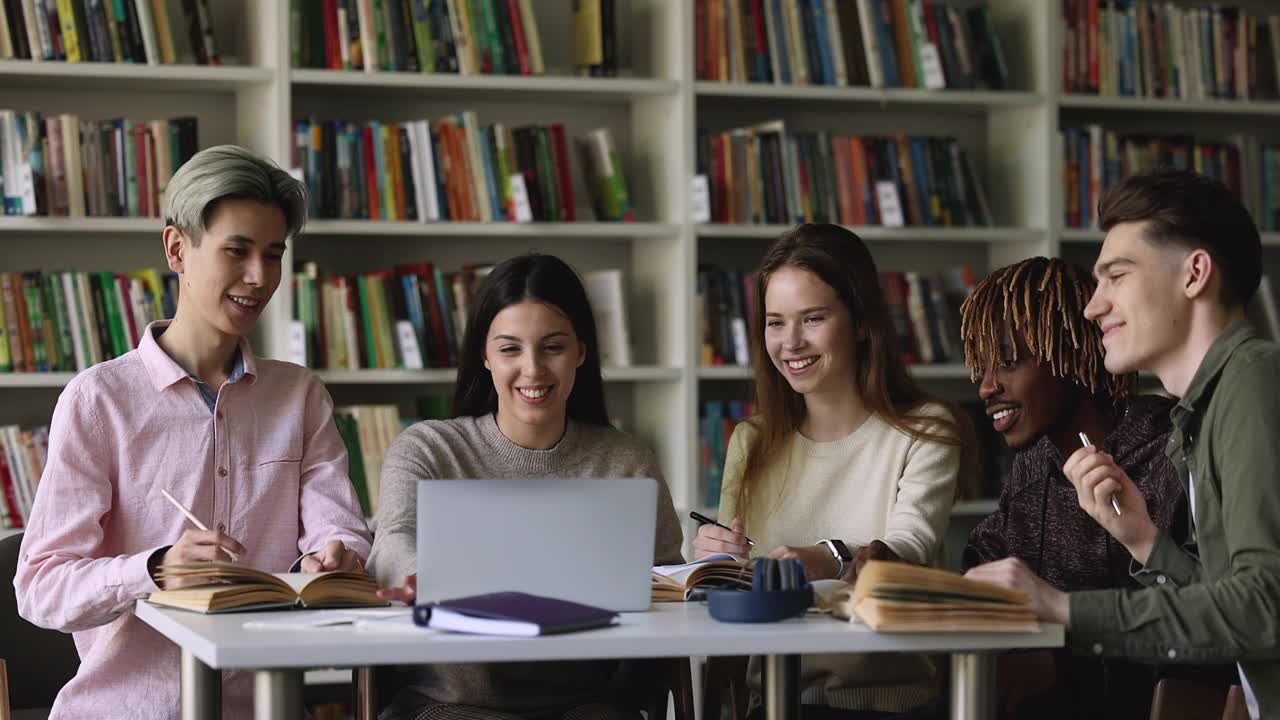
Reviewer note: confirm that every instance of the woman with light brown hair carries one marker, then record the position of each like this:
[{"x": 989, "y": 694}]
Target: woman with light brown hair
[{"x": 847, "y": 459}]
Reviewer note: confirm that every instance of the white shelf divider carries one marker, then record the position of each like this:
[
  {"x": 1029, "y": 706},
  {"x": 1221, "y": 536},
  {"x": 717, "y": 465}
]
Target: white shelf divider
[
  {"x": 875, "y": 233},
  {"x": 132, "y": 77},
  {"x": 976, "y": 100},
  {"x": 400, "y": 228},
  {"x": 446, "y": 376},
  {"x": 567, "y": 87}
]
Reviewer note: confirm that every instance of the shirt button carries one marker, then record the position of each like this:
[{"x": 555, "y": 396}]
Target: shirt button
[
  {"x": 222, "y": 528},
  {"x": 219, "y": 414},
  {"x": 1097, "y": 648},
  {"x": 1172, "y": 653},
  {"x": 222, "y": 472},
  {"x": 1160, "y": 579}
]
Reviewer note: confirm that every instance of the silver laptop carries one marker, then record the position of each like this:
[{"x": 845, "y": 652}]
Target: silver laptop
[{"x": 586, "y": 541}]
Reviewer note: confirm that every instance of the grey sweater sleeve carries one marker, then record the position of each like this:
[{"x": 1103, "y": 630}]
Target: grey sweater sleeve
[
  {"x": 669, "y": 537},
  {"x": 395, "y": 549}
]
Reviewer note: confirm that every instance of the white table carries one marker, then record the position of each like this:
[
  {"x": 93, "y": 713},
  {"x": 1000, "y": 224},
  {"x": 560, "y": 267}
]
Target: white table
[{"x": 210, "y": 643}]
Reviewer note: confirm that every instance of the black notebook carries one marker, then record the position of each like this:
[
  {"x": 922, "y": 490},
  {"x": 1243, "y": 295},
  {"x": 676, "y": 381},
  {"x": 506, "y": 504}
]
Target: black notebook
[{"x": 512, "y": 613}]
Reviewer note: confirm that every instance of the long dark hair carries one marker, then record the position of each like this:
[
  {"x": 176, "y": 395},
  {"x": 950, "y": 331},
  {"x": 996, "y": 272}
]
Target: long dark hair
[
  {"x": 840, "y": 259},
  {"x": 546, "y": 279}
]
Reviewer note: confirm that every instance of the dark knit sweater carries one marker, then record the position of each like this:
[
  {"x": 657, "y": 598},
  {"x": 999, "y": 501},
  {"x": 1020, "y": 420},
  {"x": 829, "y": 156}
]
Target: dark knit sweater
[{"x": 1039, "y": 520}]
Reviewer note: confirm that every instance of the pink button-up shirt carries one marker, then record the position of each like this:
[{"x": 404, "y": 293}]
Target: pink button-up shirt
[{"x": 267, "y": 466}]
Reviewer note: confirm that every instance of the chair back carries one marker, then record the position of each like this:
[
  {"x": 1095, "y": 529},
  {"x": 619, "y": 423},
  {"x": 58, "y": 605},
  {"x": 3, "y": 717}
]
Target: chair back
[
  {"x": 1236, "y": 708},
  {"x": 1181, "y": 698},
  {"x": 39, "y": 661}
]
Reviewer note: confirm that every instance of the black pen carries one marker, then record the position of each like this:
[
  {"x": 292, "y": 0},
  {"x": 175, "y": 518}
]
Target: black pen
[{"x": 704, "y": 520}]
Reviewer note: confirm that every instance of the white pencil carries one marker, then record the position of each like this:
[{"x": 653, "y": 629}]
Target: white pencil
[
  {"x": 1114, "y": 505},
  {"x": 191, "y": 516}
]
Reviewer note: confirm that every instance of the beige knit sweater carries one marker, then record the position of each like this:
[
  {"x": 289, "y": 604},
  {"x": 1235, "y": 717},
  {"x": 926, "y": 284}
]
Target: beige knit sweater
[
  {"x": 474, "y": 447},
  {"x": 877, "y": 483}
]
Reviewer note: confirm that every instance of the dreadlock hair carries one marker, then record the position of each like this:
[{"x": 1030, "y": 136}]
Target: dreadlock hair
[
  {"x": 1042, "y": 300},
  {"x": 839, "y": 258}
]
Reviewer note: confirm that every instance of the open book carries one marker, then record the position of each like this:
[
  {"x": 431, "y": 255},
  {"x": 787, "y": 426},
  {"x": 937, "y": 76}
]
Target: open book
[
  {"x": 226, "y": 587},
  {"x": 897, "y": 597},
  {"x": 674, "y": 582}
]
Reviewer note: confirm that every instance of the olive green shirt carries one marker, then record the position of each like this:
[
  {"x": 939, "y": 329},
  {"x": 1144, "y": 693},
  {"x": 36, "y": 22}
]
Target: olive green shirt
[{"x": 1222, "y": 605}]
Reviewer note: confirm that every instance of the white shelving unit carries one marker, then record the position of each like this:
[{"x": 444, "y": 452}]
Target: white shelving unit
[{"x": 654, "y": 111}]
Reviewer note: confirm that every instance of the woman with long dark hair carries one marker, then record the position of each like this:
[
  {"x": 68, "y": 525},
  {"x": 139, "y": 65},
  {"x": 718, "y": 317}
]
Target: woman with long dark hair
[
  {"x": 529, "y": 403},
  {"x": 846, "y": 459}
]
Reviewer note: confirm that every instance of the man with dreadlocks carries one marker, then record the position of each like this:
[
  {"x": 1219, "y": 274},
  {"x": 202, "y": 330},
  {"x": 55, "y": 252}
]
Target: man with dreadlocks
[{"x": 1039, "y": 367}]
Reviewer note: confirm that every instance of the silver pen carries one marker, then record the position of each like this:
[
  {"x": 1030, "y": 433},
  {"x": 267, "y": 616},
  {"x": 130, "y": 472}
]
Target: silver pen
[{"x": 1114, "y": 505}]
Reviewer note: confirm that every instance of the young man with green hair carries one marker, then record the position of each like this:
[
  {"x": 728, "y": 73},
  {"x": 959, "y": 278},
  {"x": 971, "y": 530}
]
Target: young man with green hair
[
  {"x": 247, "y": 444},
  {"x": 1181, "y": 259}
]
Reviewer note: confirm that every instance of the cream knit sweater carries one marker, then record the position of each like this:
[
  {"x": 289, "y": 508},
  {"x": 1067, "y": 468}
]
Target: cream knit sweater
[{"x": 877, "y": 483}]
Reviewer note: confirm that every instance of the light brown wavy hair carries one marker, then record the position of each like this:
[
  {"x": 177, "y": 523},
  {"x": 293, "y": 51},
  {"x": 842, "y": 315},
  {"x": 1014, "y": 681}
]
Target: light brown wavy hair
[{"x": 839, "y": 258}]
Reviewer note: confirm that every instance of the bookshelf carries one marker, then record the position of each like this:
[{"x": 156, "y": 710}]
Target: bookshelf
[{"x": 654, "y": 110}]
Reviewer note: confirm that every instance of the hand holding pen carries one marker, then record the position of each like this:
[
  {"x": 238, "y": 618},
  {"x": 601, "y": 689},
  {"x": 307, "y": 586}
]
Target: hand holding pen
[
  {"x": 714, "y": 537},
  {"x": 200, "y": 545},
  {"x": 1102, "y": 486},
  {"x": 1084, "y": 440}
]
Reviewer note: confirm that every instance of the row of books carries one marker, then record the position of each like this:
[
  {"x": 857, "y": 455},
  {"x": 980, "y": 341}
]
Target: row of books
[
  {"x": 1096, "y": 159},
  {"x": 876, "y": 43},
  {"x": 455, "y": 169},
  {"x": 767, "y": 174},
  {"x": 414, "y": 316},
  {"x": 1145, "y": 48},
  {"x": 63, "y": 166},
  {"x": 112, "y": 31},
  {"x": 23, "y": 454},
  {"x": 468, "y": 37},
  {"x": 367, "y": 432},
  {"x": 716, "y": 421},
  {"x": 66, "y": 321}
]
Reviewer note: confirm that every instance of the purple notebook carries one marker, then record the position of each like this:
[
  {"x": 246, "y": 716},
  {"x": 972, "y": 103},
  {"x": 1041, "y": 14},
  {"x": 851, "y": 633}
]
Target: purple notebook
[{"x": 512, "y": 613}]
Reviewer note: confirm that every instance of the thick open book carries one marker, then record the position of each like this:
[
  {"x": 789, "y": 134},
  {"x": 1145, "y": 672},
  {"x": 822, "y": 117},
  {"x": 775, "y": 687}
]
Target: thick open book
[
  {"x": 674, "y": 582},
  {"x": 227, "y": 587},
  {"x": 897, "y": 597}
]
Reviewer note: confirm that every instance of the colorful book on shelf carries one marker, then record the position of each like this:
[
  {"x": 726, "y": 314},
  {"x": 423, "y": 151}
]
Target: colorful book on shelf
[
  {"x": 1096, "y": 159},
  {"x": 367, "y": 431},
  {"x": 23, "y": 454},
  {"x": 66, "y": 321},
  {"x": 498, "y": 37},
  {"x": 1168, "y": 50},
  {"x": 766, "y": 174},
  {"x": 230, "y": 587},
  {"x": 111, "y": 31},
  {"x": 59, "y": 165},
  {"x": 454, "y": 168},
  {"x": 899, "y": 597},
  {"x": 877, "y": 43},
  {"x": 676, "y": 582}
]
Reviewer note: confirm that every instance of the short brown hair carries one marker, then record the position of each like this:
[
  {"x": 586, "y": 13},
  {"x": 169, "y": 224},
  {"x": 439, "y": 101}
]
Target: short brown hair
[{"x": 1186, "y": 209}]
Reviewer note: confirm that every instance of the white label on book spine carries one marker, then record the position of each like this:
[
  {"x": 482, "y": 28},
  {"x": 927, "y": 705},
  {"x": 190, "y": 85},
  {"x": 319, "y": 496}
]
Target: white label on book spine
[
  {"x": 521, "y": 209},
  {"x": 409, "y": 349},
  {"x": 297, "y": 343},
  {"x": 700, "y": 199},
  {"x": 890, "y": 205},
  {"x": 27, "y": 189},
  {"x": 931, "y": 63}
]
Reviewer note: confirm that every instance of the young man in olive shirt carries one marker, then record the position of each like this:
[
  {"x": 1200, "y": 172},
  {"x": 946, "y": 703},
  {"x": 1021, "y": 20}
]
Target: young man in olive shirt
[{"x": 1181, "y": 259}]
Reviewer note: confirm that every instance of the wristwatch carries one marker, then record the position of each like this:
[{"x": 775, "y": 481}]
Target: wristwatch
[{"x": 839, "y": 552}]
